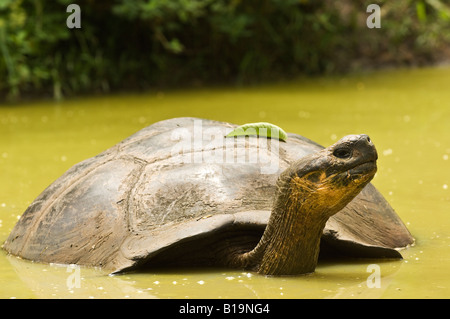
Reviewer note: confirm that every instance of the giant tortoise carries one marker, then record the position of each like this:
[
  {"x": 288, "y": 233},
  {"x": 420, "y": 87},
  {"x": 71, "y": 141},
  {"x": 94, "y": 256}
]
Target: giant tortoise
[{"x": 180, "y": 193}]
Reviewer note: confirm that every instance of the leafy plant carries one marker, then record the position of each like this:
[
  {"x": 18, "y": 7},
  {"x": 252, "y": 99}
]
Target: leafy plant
[{"x": 142, "y": 44}]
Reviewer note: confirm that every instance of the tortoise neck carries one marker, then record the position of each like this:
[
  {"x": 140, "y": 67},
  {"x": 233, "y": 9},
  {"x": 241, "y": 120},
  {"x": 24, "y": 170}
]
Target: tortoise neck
[{"x": 291, "y": 240}]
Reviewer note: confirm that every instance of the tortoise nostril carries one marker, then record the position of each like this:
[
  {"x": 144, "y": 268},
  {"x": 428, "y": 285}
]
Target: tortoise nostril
[{"x": 365, "y": 138}]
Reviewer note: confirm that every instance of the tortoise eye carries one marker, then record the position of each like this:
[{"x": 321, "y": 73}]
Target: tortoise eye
[{"x": 342, "y": 152}]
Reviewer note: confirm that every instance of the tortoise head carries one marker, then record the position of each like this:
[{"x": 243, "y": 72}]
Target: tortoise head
[
  {"x": 329, "y": 179},
  {"x": 310, "y": 191}
]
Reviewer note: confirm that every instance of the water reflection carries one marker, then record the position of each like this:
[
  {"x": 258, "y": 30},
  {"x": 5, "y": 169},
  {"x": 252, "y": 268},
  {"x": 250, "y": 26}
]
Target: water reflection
[
  {"x": 331, "y": 280},
  {"x": 70, "y": 281}
]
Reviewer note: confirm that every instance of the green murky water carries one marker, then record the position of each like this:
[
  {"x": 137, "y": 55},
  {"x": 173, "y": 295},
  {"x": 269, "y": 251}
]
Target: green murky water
[{"x": 406, "y": 113}]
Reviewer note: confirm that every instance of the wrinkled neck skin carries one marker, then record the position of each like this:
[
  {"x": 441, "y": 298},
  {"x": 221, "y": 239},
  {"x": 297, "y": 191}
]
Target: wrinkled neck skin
[{"x": 291, "y": 240}]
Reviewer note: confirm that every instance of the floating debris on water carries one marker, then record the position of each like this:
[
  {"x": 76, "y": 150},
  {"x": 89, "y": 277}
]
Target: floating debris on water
[{"x": 304, "y": 114}]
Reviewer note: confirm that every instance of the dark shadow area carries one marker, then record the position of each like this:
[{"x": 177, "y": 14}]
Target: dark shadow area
[{"x": 207, "y": 253}]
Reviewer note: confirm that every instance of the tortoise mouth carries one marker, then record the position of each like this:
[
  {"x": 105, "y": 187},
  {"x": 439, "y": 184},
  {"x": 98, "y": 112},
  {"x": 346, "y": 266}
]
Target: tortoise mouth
[{"x": 366, "y": 169}]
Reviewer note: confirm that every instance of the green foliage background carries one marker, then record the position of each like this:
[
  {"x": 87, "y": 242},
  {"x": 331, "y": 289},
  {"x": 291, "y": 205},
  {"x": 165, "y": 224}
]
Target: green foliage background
[{"x": 142, "y": 44}]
